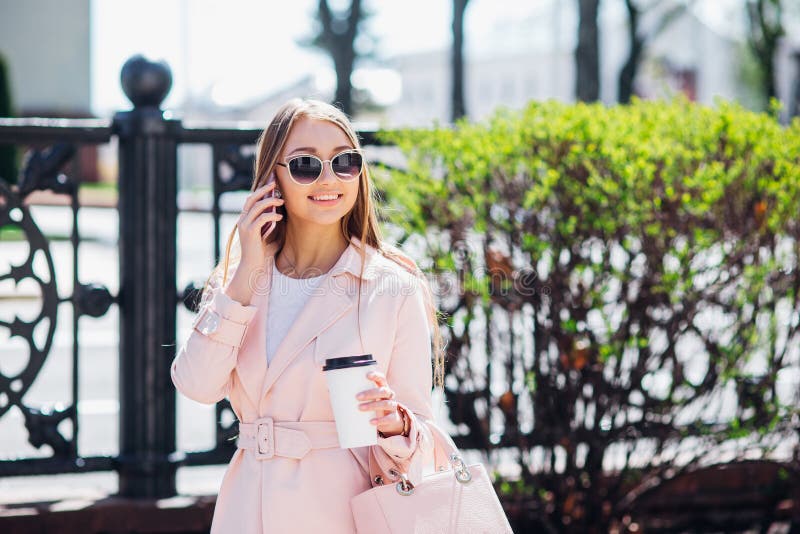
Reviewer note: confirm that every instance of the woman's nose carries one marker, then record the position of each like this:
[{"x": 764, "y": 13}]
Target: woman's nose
[{"x": 327, "y": 173}]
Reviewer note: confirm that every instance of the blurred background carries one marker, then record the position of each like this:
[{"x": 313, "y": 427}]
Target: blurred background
[
  {"x": 242, "y": 58},
  {"x": 392, "y": 64},
  {"x": 426, "y": 66}
]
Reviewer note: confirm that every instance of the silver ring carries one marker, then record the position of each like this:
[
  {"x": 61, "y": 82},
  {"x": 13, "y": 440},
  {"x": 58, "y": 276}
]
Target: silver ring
[
  {"x": 404, "y": 486},
  {"x": 463, "y": 475}
]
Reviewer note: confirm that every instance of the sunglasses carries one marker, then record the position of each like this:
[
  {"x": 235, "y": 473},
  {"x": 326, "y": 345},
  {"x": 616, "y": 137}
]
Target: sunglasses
[{"x": 304, "y": 169}]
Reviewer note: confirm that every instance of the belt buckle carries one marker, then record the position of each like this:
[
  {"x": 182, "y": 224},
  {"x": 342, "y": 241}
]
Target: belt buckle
[{"x": 265, "y": 439}]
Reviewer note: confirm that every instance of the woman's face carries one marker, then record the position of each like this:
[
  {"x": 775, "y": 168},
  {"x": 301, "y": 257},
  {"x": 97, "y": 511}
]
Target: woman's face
[{"x": 323, "y": 139}]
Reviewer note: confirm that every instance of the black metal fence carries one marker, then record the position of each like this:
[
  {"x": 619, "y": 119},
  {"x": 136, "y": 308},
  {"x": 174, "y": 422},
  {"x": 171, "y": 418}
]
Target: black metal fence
[{"x": 148, "y": 297}]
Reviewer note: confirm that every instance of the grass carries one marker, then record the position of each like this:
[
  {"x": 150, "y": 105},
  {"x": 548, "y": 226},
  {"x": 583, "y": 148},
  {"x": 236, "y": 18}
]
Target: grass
[
  {"x": 15, "y": 233},
  {"x": 11, "y": 233},
  {"x": 99, "y": 186}
]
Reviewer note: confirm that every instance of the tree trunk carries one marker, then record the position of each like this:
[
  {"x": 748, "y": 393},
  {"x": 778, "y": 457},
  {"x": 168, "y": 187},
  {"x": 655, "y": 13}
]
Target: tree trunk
[
  {"x": 628, "y": 73},
  {"x": 794, "y": 105},
  {"x": 337, "y": 37},
  {"x": 638, "y": 41},
  {"x": 458, "y": 107},
  {"x": 343, "y": 63},
  {"x": 587, "y": 54},
  {"x": 765, "y": 32},
  {"x": 768, "y": 69},
  {"x": 594, "y": 519}
]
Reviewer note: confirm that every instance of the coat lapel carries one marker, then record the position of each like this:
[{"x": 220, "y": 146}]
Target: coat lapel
[
  {"x": 320, "y": 311},
  {"x": 251, "y": 363},
  {"x": 333, "y": 298}
]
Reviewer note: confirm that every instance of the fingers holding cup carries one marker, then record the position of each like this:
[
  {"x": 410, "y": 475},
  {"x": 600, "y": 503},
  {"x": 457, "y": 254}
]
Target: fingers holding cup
[{"x": 381, "y": 399}]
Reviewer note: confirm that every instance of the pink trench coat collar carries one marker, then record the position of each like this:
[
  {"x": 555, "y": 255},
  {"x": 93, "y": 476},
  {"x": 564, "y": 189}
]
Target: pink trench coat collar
[{"x": 325, "y": 305}]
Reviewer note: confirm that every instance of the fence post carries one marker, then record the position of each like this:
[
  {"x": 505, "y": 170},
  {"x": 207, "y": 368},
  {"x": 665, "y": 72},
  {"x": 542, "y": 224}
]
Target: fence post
[{"x": 147, "y": 272}]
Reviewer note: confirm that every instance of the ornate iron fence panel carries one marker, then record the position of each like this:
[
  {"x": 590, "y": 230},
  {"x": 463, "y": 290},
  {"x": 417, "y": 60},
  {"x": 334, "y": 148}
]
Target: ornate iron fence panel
[{"x": 53, "y": 146}]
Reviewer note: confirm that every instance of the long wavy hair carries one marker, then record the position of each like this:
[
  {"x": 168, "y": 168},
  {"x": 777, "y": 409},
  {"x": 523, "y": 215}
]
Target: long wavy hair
[{"x": 360, "y": 222}]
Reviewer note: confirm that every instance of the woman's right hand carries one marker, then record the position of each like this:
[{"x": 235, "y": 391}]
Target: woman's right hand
[{"x": 255, "y": 214}]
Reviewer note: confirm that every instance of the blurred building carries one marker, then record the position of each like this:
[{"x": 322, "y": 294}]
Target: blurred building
[
  {"x": 508, "y": 80},
  {"x": 46, "y": 47},
  {"x": 532, "y": 58},
  {"x": 46, "y": 44},
  {"x": 688, "y": 57}
]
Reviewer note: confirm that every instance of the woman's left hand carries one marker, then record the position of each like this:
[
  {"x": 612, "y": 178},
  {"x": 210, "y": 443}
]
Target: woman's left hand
[{"x": 381, "y": 399}]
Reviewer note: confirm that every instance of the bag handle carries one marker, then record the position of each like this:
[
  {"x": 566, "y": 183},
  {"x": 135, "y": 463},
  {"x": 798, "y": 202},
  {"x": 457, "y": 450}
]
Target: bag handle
[
  {"x": 445, "y": 452},
  {"x": 444, "y": 448}
]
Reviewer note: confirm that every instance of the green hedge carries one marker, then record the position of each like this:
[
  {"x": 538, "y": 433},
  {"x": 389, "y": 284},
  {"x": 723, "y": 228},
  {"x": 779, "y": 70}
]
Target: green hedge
[{"x": 655, "y": 247}]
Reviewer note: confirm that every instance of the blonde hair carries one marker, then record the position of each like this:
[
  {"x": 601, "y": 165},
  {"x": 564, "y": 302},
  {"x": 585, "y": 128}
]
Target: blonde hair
[{"x": 360, "y": 222}]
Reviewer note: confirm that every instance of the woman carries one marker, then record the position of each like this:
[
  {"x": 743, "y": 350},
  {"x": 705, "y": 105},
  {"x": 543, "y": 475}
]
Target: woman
[{"x": 311, "y": 279}]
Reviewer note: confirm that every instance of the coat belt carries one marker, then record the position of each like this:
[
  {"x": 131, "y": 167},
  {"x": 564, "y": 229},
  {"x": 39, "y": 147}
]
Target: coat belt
[{"x": 292, "y": 439}]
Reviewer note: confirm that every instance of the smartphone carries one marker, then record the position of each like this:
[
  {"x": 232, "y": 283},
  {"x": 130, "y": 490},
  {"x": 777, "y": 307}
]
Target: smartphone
[{"x": 266, "y": 229}]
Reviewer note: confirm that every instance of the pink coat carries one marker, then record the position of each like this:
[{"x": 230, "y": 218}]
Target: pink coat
[{"x": 302, "y": 482}]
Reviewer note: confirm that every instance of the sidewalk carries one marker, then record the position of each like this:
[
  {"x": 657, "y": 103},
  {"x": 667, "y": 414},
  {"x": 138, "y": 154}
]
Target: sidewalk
[
  {"x": 184, "y": 515},
  {"x": 85, "y": 503},
  {"x": 87, "y": 196},
  {"x": 190, "y": 481},
  {"x": 91, "y": 197}
]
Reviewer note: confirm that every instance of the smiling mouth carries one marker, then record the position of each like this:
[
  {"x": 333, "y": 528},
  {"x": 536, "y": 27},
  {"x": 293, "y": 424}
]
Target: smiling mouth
[{"x": 327, "y": 199}]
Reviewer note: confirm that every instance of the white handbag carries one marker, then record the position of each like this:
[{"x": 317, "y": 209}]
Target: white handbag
[{"x": 460, "y": 499}]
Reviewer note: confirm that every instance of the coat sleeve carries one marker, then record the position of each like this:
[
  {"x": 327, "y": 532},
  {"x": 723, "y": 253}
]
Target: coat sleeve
[
  {"x": 410, "y": 375},
  {"x": 203, "y": 365}
]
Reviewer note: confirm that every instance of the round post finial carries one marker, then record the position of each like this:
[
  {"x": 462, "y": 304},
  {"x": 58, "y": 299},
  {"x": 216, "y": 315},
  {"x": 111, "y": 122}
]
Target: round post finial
[{"x": 146, "y": 83}]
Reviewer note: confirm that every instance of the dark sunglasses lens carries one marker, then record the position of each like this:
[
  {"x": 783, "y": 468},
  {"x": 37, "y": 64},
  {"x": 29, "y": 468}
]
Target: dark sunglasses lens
[
  {"x": 347, "y": 165},
  {"x": 305, "y": 169}
]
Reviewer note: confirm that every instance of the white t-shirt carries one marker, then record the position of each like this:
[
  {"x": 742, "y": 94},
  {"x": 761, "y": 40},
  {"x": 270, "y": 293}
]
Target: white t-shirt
[{"x": 287, "y": 298}]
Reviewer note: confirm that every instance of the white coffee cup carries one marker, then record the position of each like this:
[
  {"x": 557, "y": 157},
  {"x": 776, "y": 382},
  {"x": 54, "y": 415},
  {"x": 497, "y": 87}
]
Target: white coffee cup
[{"x": 347, "y": 377}]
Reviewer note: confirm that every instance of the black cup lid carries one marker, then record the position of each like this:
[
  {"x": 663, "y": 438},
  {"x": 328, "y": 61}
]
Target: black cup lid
[{"x": 348, "y": 361}]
